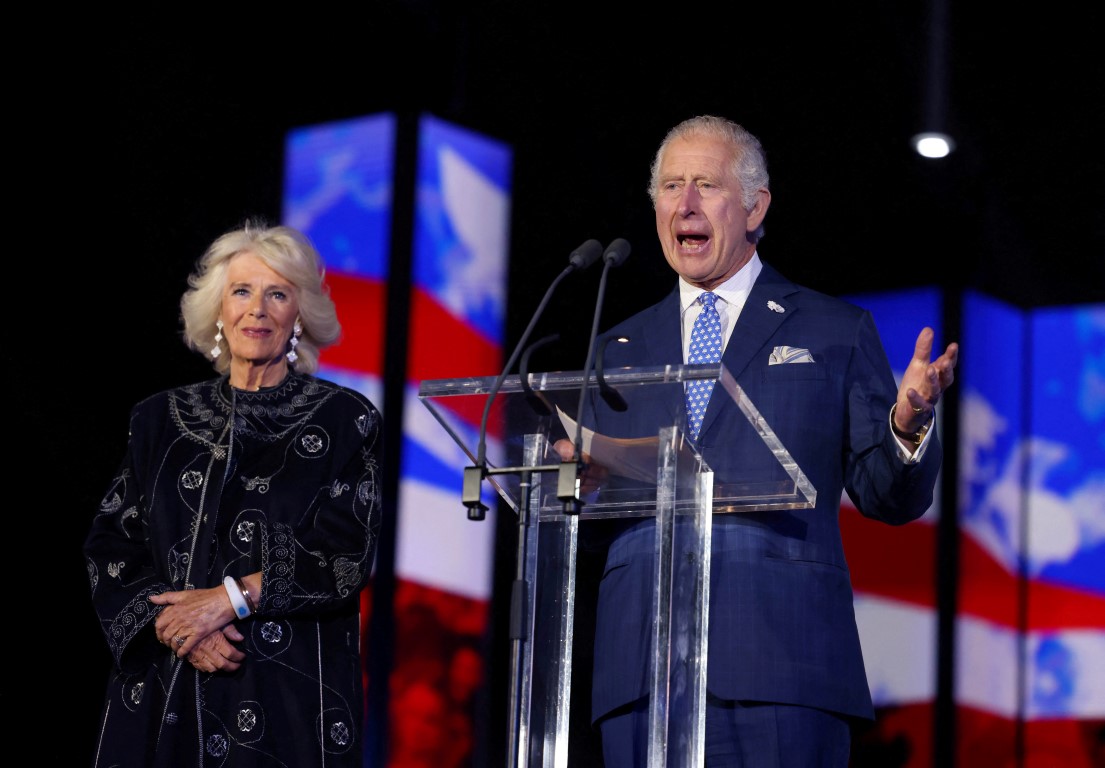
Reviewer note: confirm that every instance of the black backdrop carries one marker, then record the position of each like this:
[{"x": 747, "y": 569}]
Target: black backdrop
[{"x": 142, "y": 143}]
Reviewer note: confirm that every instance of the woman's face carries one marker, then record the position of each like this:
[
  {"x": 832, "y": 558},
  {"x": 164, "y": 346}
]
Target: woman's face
[{"x": 259, "y": 309}]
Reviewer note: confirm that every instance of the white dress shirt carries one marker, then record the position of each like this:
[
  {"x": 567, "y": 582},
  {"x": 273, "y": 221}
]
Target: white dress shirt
[{"x": 731, "y": 297}]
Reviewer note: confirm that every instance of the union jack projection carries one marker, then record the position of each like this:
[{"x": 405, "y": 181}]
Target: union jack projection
[
  {"x": 1029, "y": 625},
  {"x": 339, "y": 190}
]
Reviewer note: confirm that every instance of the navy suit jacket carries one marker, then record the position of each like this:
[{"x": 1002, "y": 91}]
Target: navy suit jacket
[{"x": 781, "y": 626}]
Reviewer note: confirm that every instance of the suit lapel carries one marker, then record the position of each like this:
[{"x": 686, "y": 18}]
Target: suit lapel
[
  {"x": 759, "y": 320},
  {"x": 664, "y": 346}
]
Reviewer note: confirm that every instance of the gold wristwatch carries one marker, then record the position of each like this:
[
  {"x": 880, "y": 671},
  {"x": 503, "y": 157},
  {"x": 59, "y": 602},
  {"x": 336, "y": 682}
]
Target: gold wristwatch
[{"x": 915, "y": 437}]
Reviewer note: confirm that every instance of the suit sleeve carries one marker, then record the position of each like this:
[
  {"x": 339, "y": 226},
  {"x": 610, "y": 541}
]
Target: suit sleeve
[
  {"x": 121, "y": 571},
  {"x": 881, "y": 485}
]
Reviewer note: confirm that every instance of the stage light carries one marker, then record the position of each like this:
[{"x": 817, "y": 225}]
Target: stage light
[{"x": 933, "y": 144}]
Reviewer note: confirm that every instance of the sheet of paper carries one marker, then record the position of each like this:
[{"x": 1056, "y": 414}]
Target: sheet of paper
[{"x": 634, "y": 458}]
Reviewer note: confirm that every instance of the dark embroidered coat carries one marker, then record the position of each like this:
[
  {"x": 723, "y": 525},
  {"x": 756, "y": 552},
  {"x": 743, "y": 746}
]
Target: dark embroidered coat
[{"x": 218, "y": 481}]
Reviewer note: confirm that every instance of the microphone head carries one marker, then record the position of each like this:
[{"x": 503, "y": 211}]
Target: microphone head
[
  {"x": 616, "y": 252},
  {"x": 586, "y": 254}
]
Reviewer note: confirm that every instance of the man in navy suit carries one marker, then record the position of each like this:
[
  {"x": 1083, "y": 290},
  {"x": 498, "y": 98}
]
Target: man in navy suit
[{"x": 785, "y": 675}]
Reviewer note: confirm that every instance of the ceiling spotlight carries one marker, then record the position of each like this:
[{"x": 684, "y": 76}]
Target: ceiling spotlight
[{"x": 933, "y": 144}]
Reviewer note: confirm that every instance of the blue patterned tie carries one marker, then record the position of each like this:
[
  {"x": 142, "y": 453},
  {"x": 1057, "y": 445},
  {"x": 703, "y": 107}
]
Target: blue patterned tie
[{"x": 705, "y": 348}]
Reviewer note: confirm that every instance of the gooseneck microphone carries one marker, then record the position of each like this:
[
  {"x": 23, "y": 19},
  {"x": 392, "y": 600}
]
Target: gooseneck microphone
[
  {"x": 579, "y": 259},
  {"x": 614, "y": 255}
]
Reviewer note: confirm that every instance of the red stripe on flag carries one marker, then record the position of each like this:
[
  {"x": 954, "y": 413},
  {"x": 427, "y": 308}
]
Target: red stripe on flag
[
  {"x": 899, "y": 562},
  {"x": 445, "y": 347},
  {"x": 362, "y": 306},
  {"x": 893, "y": 561},
  {"x": 1055, "y": 607},
  {"x": 985, "y": 740},
  {"x": 987, "y": 589},
  {"x": 441, "y": 346}
]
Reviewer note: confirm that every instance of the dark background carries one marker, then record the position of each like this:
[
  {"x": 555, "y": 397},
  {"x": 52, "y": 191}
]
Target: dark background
[{"x": 146, "y": 140}]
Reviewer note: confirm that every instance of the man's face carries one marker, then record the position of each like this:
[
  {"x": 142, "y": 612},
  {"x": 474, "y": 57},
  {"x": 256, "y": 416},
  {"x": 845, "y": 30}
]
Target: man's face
[{"x": 701, "y": 222}]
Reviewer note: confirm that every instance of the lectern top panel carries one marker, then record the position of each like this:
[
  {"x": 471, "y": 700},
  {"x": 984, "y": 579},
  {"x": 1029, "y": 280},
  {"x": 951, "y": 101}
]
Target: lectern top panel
[{"x": 555, "y": 406}]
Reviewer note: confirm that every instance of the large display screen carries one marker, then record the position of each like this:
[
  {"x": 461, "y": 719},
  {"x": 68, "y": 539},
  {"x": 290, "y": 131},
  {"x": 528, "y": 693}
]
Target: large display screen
[{"x": 339, "y": 183}]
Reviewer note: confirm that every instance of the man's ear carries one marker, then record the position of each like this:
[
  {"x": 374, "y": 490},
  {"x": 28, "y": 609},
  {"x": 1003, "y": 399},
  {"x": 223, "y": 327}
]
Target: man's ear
[{"x": 759, "y": 210}]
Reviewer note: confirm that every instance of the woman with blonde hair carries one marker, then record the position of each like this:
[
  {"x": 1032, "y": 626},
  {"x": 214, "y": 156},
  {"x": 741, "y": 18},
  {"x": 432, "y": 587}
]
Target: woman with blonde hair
[{"x": 227, "y": 557}]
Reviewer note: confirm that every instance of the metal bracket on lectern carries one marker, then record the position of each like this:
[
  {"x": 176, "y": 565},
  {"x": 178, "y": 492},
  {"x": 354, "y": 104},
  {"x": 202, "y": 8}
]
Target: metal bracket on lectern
[
  {"x": 473, "y": 485},
  {"x": 567, "y": 486}
]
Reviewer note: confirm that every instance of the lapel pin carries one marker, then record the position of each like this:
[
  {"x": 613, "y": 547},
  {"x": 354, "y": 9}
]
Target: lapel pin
[{"x": 775, "y": 307}]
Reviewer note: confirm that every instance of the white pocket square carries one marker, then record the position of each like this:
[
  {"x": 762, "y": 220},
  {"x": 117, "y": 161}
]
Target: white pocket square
[{"x": 790, "y": 355}]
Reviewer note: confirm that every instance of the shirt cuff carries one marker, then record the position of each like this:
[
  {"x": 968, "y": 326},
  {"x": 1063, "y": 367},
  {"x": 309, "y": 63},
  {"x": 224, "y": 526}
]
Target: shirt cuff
[{"x": 903, "y": 446}]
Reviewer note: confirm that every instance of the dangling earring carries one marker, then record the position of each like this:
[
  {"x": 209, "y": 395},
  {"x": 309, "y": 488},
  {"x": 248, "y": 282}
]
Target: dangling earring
[
  {"x": 217, "y": 350},
  {"x": 297, "y": 331}
]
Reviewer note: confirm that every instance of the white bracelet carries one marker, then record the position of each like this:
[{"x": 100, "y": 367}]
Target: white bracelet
[{"x": 237, "y": 600}]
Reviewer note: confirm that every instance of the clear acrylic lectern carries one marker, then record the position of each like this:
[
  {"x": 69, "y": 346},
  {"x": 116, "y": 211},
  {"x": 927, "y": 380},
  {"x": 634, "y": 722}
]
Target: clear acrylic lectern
[{"x": 652, "y": 476}]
